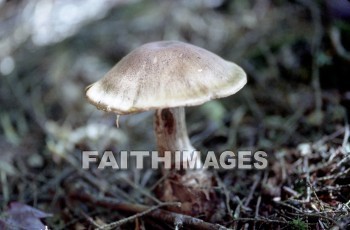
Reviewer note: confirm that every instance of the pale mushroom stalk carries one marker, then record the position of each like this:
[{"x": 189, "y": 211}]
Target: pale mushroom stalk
[
  {"x": 171, "y": 133},
  {"x": 192, "y": 188}
]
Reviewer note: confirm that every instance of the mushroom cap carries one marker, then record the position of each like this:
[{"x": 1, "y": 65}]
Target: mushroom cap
[{"x": 165, "y": 74}]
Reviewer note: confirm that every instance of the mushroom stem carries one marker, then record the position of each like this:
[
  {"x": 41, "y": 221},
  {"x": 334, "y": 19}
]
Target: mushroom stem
[
  {"x": 193, "y": 188},
  {"x": 171, "y": 132}
]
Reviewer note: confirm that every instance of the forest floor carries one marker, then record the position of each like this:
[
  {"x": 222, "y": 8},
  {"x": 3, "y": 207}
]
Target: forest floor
[{"x": 294, "y": 108}]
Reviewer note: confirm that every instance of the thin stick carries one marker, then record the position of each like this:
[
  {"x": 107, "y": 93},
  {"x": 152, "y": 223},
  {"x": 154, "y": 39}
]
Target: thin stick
[
  {"x": 142, "y": 191},
  {"x": 346, "y": 134},
  {"x": 329, "y": 137},
  {"x": 261, "y": 220},
  {"x": 316, "y": 215},
  {"x": 307, "y": 172},
  {"x": 252, "y": 190},
  {"x": 90, "y": 219},
  {"x": 133, "y": 217},
  {"x": 315, "y": 49},
  {"x": 334, "y": 176},
  {"x": 226, "y": 193},
  {"x": 154, "y": 186},
  {"x": 257, "y": 209}
]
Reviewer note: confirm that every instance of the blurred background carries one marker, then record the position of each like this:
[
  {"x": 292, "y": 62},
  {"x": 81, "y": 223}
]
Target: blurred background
[{"x": 296, "y": 55}]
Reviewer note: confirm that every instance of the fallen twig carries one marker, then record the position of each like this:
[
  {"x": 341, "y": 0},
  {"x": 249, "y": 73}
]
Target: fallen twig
[
  {"x": 133, "y": 217},
  {"x": 226, "y": 193},
  {"x": 166, "y": 216}
]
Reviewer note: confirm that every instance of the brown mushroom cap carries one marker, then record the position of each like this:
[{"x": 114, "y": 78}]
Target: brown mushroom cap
[{"x": 165, "y": 74}]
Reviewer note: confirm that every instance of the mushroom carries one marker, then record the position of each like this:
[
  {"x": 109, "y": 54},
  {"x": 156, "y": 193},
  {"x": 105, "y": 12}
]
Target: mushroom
[{"x": 168, "y": 76}]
